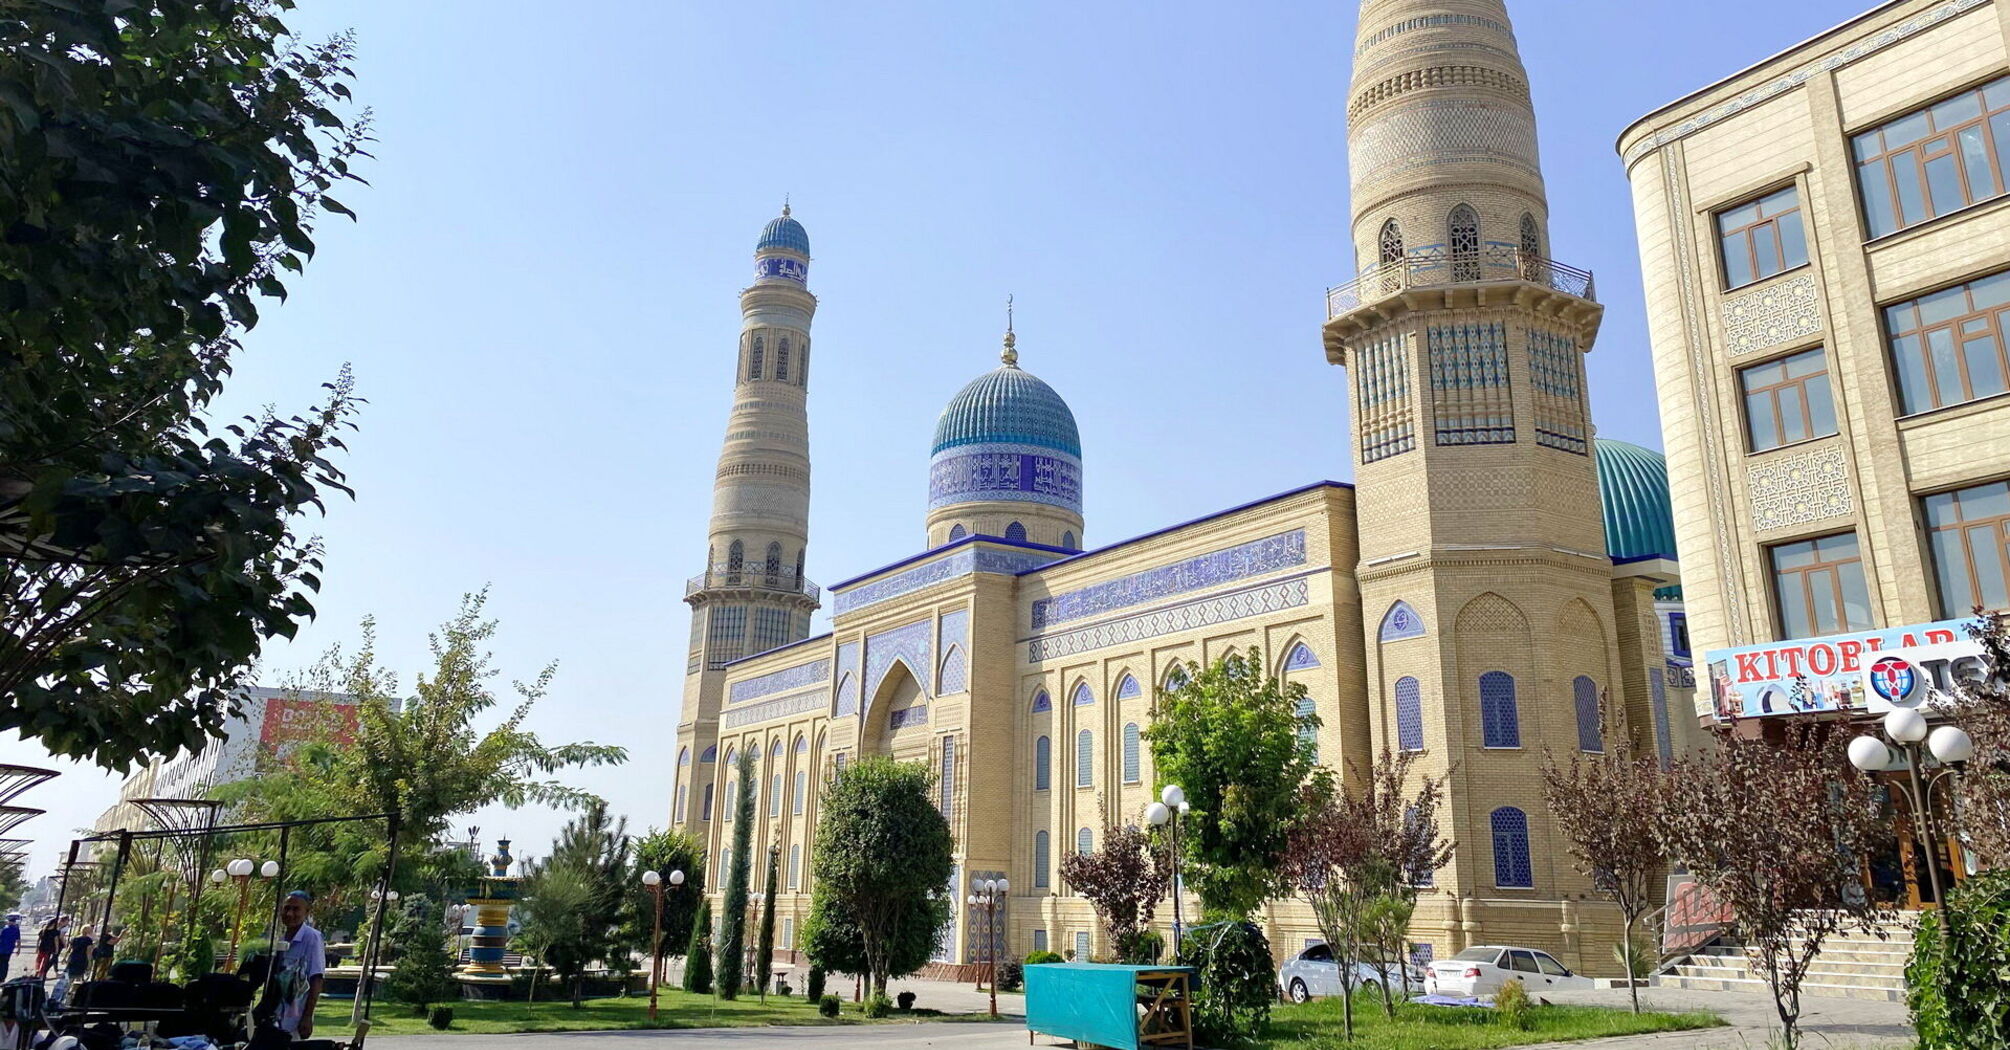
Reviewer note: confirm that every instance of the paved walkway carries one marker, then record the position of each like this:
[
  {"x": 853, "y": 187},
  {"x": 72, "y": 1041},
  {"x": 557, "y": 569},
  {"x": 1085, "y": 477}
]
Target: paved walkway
[{"x": 1827, "y": 1024}]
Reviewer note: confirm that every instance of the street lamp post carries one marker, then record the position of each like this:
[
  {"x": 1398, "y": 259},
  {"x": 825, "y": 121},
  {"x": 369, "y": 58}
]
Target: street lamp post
[
  {"x": 241, "y": 870},
  {"x": 1912, "y": 740},
  {"x": 989, "y": 897},
  {"x": 654, "y": 881},
  {"x": 368, "y": 977},
  {"x": 1167, "y": 813},
  {"x": 751, "y": 937}
]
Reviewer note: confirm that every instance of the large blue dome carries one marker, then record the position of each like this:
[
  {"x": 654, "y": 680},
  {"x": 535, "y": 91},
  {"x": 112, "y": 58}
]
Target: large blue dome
[
  {"x": 1008, "y": 406},
  {"x": 1633, "y": 486},
  {"x": 785, "y": 233}
]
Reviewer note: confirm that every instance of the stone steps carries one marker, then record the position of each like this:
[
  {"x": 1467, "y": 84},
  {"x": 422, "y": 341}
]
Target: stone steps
[{"x": 1855, "y": 965}]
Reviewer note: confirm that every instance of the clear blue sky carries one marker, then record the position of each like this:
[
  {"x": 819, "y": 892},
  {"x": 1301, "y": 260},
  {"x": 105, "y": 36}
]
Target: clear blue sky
[{"x": 540, "y": 298}]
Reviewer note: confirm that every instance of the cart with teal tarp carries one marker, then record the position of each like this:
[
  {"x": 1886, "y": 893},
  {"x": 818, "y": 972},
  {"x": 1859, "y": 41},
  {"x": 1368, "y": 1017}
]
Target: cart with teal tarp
[{"x": 1120, "y": 1007}]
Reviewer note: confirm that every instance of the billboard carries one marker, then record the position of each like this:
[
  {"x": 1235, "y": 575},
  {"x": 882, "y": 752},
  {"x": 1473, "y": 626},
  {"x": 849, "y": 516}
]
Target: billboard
[{"x": 1865, "y": 671}]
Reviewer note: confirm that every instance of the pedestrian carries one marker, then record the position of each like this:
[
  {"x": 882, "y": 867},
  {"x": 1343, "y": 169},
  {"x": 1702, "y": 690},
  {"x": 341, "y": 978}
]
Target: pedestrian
[
  {"x": 10, "y": 942},
  {"x": 300, "y": 967},
  {"x": 101, "y": 956},
  {"x": 77, "y": 966},
  {"x": 45, "y": 948}
]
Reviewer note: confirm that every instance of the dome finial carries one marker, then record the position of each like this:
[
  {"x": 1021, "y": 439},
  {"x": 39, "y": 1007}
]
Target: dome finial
[
  {"x": 1011, "y": 353},
  {"x": 785, "y": 205}
]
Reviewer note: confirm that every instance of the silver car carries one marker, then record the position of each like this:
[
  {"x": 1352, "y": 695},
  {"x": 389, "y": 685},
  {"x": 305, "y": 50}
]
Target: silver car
[
  {"x": 1483, "y": 968},
  {"x": 1315, "y": 973}
]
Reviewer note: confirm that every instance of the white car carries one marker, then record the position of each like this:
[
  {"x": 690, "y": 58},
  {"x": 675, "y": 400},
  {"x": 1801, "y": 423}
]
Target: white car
[
  {"x": 1314, "y": 972},
  {"x": 1482, "y": 969}
]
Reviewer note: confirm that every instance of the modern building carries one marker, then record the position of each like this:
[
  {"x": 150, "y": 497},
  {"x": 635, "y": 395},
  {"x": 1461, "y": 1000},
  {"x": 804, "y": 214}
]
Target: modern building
[
  {"x": 1825, "y": 239},
  {"x": 1493, "y": 571}
]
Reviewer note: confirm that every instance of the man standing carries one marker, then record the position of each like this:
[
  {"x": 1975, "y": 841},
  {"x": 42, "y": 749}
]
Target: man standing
[
  {"x": 10, "y": 941},
  {"x": 301, "y": 963},
  {"x": 45, "y": 946}
]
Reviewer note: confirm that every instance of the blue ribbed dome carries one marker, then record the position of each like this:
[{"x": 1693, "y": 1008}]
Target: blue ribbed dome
[
  {"x": 1633, "y": 486},
  {"x": 1008, "y": 406},
  {"x": 785, "y": 233}
]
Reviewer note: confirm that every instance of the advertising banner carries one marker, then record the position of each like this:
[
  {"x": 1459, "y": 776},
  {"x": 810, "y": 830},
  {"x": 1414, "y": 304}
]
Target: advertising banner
[{"x": 1866, "y": 671}]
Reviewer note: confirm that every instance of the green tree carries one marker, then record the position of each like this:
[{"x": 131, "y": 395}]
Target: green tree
[
  {"x": 664, "y": 852},
  {"x": 764, "y": 960},
  {"x": 1230, "y": 736},
  {"x": 733, "y": 920},
  {"x": 161, "y": 164},
  {"x": 698, "y": 955},
  {"x": 424, "y": 972},
  {"x": 586, "y": 874},
  {"x": 883, "y": 856},
  {"x": 833, "y": 942}
]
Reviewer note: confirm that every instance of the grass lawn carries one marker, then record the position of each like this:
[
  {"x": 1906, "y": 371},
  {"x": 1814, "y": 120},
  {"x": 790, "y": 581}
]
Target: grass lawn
[
  {"x": 675, "y": 1009},
  {"x": 1316, "y": 1026}
]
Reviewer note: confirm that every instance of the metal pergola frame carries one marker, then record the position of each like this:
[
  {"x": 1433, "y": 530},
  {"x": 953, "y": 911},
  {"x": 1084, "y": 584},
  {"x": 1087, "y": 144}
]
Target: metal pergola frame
[{"x": 208, "y": 831}]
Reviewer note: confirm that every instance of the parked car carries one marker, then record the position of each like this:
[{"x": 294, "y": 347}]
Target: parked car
[
  {"x": 1482, "y": 969},
  {"x": 1314, "y": 972}
]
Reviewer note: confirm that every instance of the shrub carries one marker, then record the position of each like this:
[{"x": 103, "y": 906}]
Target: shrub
[
  {"x": 816, "y": 984},
  {"x": 878, "y": 1006},
  {"x": 782, "y": 988},
  {"x": 1145, "y": 948},
  {"x": 1956, "y": 991},
  {"x": 905, "y": 1001},
  {"x": 1036, "y": 958},
  {"x": 829, "y": 1006},
  {"x": 1010, "y": 976},
  {"x": 1237, "y": 982},
  {"x": 420, "y": 1009},
  {"x": 441, "y": 1018},
  {"x": 1512, "y": 1006},
  {"x": 1639, "y": 963}
]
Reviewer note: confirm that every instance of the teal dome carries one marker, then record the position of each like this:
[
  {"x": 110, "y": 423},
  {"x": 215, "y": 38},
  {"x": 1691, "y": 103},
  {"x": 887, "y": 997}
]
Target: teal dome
[
  {"x": 1008, "y": 406},
  {"x": 785, "y": 233},
  {"x": 1633, "y": 486}
]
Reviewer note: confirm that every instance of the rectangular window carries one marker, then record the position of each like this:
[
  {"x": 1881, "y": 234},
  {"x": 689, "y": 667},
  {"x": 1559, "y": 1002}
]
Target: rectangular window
[
  {"x": 1969, "y": 530},
  {"x": 1039, "y": 940},
  {"x": 948, "y": 785},
  {"x": 1936, "y": 160},
  {"x": 1948, "y": 347},
  {"x": 795, "y": 866},
  {"x": 788, "y": 934},
  {"x": 1787, "y": 400},
  {"x": 1761, "y": 238},
  {"x": 1678, "y": 634},
  {"x": 1819, "y": 586},
  {"x": 1081, "y": 946}
]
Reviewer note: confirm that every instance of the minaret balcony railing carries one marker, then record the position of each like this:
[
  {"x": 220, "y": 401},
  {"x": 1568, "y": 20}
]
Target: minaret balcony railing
[
  {"x": 1438, "y": 268},
  {"x": 725, "y": 578}
]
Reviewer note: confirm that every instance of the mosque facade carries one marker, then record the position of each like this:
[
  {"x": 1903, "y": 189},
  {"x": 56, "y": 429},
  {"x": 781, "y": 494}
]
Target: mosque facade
[{"x": 1493, "y": 569}]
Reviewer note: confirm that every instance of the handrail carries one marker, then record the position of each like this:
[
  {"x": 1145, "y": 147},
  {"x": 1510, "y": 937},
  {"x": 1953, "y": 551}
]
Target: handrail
[
  {"x": 755, "y": 578},
  {"x": 1438, "y": 269},
  {"x": 1692, "y": 918}
]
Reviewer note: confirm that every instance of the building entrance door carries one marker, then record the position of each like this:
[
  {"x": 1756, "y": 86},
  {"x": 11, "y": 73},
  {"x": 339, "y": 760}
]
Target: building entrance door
[{"x": 1944, "y": 854}]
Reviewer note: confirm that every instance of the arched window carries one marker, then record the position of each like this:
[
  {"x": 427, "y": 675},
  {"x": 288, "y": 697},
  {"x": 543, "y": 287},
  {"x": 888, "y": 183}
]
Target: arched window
[
  {"x": 1043, "y": 763},
  {"x": 1083, "y": 697},
  {"x": 705, "y": 804},
  {"x": 732, "y": 793},
  {"x": 802, "y": 744},
  {"x": 683, "y": 786},
  {"x": 1128, "y": 688},
  {"x": 802, "y": 789},
  {"x": 1391, "y": 242},
  {"x": 754, "y": 362},
  {"x": 1511, "y": 861},
  {"x": 1042, "y": 702},
  {"x": 1085, "y": 841},
  {"x": 799, "y": 567},
  {"x": 1042, "y": 860},
  {"x": 1176, "y": 678},
  {"x": 774, "y": 565},
  {"x": 1015, "y": 532},
  {"x": 1584, "y": 692},
  {"x": 775, "y": 795},
  {"x": 1300, "y": 659},
  {"x": 782, "y": 360},
  {"x": 736, "y": 559},
  {"x": 1068, "y": 540},
  {"x": 957, "y": 532},
  {"x": 1085, "y": 759},
  {"x": 948, "y": 779},
  {"x": 1500, "y": 725},
  {"x": 1131, "y": 748},
  {"x": 1409, "y": 715},
  {"x": 1463, "y": 240},
  {"x": 1308, "y": 725},
  {"x": 1531, "y": 240}
]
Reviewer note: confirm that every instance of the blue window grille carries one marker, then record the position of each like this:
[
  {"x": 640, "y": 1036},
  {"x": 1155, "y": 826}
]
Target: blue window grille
[
  {"x": 1176, "y": 677},
  {"x": 1083, "y": 697},
  {"x": 1068, "y": 540},
  {"x": 1308, "y": 731},
  {"x": 1657, "y": 691},
  {"x": 1409, "y": 714},
  {"x": 1499, "y": 723},
  {"x": 1042, "y": 861},
  {"x": 1085, "y": 840},
  {"x": 1128, "y": 688},
  {"x": 1043, "y": 764},
  {"x": 948, "y": 777},
  {"x": 1584, "y": 693},
  {"x": 957, "y": 532},
  {"x": 1085, "y": 759},
  {"x": 1511, "y": 860},
  {"x": 1131, "y": 752},
  {"x": 955, "y": 673},
  {"x": 1678, "y": 634},
  {"x": 1301, "y": 659},
  {"x": 1081, "y": 946},
  {"x": 1400, "y": 622},
  {"x": 1015, "y": 532},
  {"x": 1042, "y": 702}
]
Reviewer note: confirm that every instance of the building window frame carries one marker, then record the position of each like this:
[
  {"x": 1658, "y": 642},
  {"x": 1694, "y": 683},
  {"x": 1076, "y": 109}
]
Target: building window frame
[
  {"x": 1917, "y": 359},
  {"x": 1831, "y": 572},
  {"x": 1942, "y": 514},
  {"x": 1776, "y": 228},
  {"x": 1939, "y": 133},
  {"x": 1790, "y": 386}
]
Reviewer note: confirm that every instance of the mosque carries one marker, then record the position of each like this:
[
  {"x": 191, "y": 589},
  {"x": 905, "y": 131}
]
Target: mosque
[{"x": 1492, "y": 569}]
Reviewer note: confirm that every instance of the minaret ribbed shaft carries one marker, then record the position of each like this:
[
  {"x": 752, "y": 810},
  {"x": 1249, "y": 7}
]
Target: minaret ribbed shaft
[{"x": 753, "y": 595}]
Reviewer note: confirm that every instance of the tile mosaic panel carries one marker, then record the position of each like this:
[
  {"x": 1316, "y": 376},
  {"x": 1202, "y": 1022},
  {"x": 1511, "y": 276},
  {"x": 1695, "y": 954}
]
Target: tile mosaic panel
[
  {"x": 912, "y": 643},
  {"x": 955, "y": 673},
  {"x": 1228, "y": 565},
  {"x": 1128, "y": 688},
  {"x": 800, "y": 704},
  {"x": 1301, "y": 659},
  {"x": 1800, "y": 489},
  {"x": 1401, "y": 622},
  {"x": 1236, "y": 605},
  {"x": 956, "y": 628},
  {"x": 962, "y": 563},
  {"x": 1772, "y": 316},
  {"x": 780, "y": 681},
  {"x": 907, "y": 716},
  {"x": 1005, "y": 473}
]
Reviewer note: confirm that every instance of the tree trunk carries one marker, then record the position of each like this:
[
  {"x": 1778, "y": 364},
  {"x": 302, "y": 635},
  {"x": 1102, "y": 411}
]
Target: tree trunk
[
  {"x": 1347, "y": 1009},
  {"x": 1632, "y": 965},
  {"x": 578, "y": 990}
]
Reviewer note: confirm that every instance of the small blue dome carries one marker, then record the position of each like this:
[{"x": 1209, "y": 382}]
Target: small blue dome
[
  {"x": 1008, "y": 406},
  {"x": 1633, "y": 486},
  {"x": 785, "y": 233}
]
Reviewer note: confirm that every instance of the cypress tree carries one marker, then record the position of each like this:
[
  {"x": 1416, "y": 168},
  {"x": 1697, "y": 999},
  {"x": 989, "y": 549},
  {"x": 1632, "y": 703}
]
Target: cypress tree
[
  {"x": 698, "y": 959},
  {"x": 764, "y": 961},
  {"x": 733, "y": 921}
]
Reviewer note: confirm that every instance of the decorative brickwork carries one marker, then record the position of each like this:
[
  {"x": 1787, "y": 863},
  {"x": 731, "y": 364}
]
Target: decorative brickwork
[
  {"x": 1799, "y": 488},
  {"x": 1209, "y": 570},
  {"x": 1253, "y": 601},
  {"x": 1774, "y": 315},
  {"x": 755, "y": 688},
  {"x": 911, "y": 643},
  {"x": 961, "y": 563}
]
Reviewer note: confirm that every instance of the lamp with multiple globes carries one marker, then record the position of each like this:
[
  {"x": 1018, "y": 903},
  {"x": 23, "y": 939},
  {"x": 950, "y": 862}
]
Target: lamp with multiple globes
[
  {"x": 654, "y": 881},
  {"x": 241, "y": 870},
  {"x": 989, "y": 896},
  {"x": 1910, "y": 741},
  {"x": 1168, "y": 812}
]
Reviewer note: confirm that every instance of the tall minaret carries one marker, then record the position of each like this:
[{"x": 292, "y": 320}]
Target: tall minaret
[
  {"x": 753, "y": 595},
  {"x": 1483, "y": 567}
]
